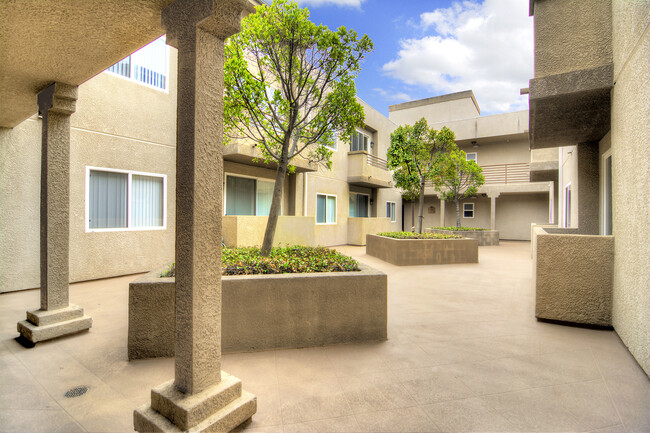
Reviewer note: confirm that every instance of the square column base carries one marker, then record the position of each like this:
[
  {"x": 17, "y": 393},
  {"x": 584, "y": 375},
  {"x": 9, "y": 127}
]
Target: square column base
[
  {"x": 220, "y": 408},
  {"x": 44, "y": 325}
]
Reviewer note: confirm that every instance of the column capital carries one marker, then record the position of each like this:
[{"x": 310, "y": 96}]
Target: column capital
[
  {"x": 221, "y": 18},
  {"x": 494, "y": 195},
  {"x": 58, "y": 98}
]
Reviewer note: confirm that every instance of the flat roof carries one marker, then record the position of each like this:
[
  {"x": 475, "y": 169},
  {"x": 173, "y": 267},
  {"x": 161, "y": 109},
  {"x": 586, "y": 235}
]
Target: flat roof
[{"x": 436, "y": 100}]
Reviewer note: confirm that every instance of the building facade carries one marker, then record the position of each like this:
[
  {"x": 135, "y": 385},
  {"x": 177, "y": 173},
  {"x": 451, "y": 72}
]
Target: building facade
[
  {"x": 122, "y": 181},
  {"x": 520, "y": 184},
  {"x": 589, "y": 103}
]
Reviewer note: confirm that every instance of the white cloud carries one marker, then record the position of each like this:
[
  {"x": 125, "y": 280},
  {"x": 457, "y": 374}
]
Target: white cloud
[
  {"x": 391, "y": 95},
  {"x": 486, "y": 47},
  {"x": 343, "y": 3}
]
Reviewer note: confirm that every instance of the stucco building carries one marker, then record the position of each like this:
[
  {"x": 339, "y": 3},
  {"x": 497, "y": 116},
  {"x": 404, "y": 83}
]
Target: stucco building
[
  {"x": 122, "y": 181},
  {"x": 589, "y": 103},
  {"x": 520, "y": 184}
]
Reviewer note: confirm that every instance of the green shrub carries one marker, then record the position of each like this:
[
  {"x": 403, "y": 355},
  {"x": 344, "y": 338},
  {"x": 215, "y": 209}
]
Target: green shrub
[
  {"x": 411, "y": 235},
  {"x": 463, "y": 229},
  {"x": 282, "y": 260}
]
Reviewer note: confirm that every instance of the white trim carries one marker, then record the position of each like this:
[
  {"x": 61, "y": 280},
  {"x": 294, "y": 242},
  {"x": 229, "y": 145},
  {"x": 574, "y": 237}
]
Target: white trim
[
  {"x": 473, "y": 210},
  {"x": 467, "y": 154},
  {"x": 129, "y": 174},
  {"x": 336, "y": 205},
  {"x": 369, "y": 137},
  {"x": 565, "y": 223},
  {"x": 389, "y": 216},
  {"x": 603, "y": 192}
]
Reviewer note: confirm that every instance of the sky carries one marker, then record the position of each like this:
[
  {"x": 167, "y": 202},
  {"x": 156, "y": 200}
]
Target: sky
[{"x": 425, "y": 48}]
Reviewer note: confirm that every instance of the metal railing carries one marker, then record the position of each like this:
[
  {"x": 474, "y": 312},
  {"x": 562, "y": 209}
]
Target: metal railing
[
  {"x": 502, "y": 174},
  {"x": 376, "y": 161},
  {"x": 507, "y": 173}
]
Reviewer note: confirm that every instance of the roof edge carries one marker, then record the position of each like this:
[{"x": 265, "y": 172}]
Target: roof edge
[{"x": 436, "y": 100}]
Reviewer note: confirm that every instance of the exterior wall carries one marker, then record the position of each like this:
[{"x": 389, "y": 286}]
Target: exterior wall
[
  {"x": 568, "y": 174},
  {"x": 630, "y": 136},
  {"x": 500, "y": 151},
  {"x": 243, "y": 170},
  {"x": 118, "y": 124},
  {"x": 571, "y": 35},
  {"x": 497, "y": 125},
  {"x": 515, "y": 213},
  {"x": 246, "y": 230},
  {"x": 460, "y": 105}
]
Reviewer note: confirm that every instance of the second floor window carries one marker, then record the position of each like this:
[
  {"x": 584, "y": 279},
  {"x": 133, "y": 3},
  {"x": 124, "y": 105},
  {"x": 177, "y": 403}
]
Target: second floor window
[
  {"x": 360, "y": 141},
  {"x": 149, "y": 65}
]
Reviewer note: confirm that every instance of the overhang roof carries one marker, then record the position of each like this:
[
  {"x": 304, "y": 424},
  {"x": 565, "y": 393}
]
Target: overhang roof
[{"x": 70, "y": 41}]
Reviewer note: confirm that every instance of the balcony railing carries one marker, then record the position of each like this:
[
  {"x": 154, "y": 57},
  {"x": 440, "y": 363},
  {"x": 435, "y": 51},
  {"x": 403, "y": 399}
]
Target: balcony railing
[
  {"x": 506, "y": 173},
  {"x": 503, "y": 174},
  {"x": 376, "y": 161}
]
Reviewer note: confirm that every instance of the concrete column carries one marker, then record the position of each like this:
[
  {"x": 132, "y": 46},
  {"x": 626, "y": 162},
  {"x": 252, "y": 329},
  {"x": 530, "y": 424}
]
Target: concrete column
[
  {"x": 493, "y": 212},
  {"x": 56, "y": 317},
  {"x": 201, "y": 397},
  {"x": 588, "y": 189},
  {"x": 442, "y": 213}
]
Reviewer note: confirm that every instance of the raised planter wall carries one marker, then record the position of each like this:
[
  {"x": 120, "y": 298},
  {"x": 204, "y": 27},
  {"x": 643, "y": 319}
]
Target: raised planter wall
[
  {"x": 573, "y": 276},
  {"x": 484, "y": 237},
  {"x": 410, "y": 252},
  {"x": 261, "y": 312}
]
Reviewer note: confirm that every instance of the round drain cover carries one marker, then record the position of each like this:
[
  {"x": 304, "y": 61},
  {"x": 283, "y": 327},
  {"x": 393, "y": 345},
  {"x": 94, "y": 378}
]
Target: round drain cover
[{"x": 77, "y": 391}]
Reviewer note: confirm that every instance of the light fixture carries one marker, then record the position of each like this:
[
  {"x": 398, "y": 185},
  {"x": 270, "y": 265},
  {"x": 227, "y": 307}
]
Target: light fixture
[{"x": 474, "y": 144}]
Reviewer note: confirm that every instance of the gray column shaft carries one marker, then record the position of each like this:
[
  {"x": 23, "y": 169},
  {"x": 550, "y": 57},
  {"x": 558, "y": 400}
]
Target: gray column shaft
[
  {"x": 56, "y": 104},
  {"x": 199, "y": 171},
  {"x": 442, "y": 213},
  {"x": 493, "y": 213}
]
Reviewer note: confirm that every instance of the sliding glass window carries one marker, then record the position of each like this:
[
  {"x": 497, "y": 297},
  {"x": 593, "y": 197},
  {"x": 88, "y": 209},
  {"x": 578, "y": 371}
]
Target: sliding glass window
[{"x": 247, "y": 196}]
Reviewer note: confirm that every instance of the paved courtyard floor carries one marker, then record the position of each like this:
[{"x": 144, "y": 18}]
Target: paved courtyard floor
[{"x": 464, "y": 353}]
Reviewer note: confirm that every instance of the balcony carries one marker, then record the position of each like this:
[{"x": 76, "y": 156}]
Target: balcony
[
  {"x": 368, "y": 170},
  {"x": 245, "y": 153},
  {"x": 506, "y": 173}
]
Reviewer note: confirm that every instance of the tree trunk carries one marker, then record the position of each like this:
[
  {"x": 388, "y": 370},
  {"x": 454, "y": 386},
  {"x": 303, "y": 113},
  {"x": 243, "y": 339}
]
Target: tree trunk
[
  {"x": 421, "y": 211},
  {"x": 457, "y": 212},
  {"x": 274, "y": 212}
]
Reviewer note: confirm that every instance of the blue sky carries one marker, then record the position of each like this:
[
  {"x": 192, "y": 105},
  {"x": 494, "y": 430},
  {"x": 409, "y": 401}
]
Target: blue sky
[{"x": 427, "y": 48}]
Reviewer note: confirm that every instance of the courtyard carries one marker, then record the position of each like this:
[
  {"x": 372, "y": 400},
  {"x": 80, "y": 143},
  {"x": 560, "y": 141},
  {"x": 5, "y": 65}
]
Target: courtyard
[{"x": 464, "y": 353}]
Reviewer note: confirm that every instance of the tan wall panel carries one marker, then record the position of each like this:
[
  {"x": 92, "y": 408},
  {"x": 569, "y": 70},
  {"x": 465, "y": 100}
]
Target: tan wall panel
[{"x": 631, "y": 182}]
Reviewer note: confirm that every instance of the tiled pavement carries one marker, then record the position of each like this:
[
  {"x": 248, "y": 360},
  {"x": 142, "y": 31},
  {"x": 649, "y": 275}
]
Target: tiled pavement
[{"x": 464, "y": 354}]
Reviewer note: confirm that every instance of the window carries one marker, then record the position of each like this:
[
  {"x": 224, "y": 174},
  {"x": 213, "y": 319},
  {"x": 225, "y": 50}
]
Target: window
[
  {"x": 325, "y": 209},
  {"x": 358, "y": 205},
  {"x": 468, "y": 210},
  {"x": 360, "y": 141},
  {"x": 390, "y": 211},
  {"x": 472, "y": 156},
  {"x": 149, "y": 65},
  {"x": 248, "y": 196},
  {"x": 567, "y": 205},
  {"x": 607, "y": 227},
  {"x": 125, "y": 200}
]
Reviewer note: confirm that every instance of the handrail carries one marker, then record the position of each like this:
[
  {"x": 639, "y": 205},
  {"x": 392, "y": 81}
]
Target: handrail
[
  {"x": 371, "y": 159},
  {"x": 502, "y": 174}
]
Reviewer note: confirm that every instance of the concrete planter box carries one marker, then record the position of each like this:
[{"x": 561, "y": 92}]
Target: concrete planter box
[
  {"x": 410, "y": 252},
  {"x": 261, "y": 312},
  {"x": 484, "y": 237},
  {"x": 573, "y": 276}
]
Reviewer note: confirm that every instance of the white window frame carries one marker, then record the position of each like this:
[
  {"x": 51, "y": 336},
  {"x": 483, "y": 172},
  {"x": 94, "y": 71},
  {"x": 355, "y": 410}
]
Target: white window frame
[
  {"x": 336, "y": 205},
  {"x": 393, "y": 211},
  {"x": 129, "y": 223},
  {"x": 142, "y": 83},
  {"x": 369, "y": 141},
  {"x": 467, "y": 154},
  {"x": 256, "y": 178},
  {"x": 603, "y": 192},
  {"x": 566, "y": 218},
  {"x": 473, "y": 210},
  {"x": 360, "y": 193}
]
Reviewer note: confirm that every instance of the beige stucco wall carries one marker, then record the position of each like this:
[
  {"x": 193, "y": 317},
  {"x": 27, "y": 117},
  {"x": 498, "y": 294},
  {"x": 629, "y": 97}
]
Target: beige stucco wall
[
  {"x": 118, "y": 124},
  {"x": 500, "y": 150},
  {"x": 246, "y": 230},
  {"x": 440, "y": 109},
  {"x": 572, "y": 35},
  {"x": 630, "y": 136},
  {"x": 20, "y": 189},
  {"x": 568, "y": 165}
]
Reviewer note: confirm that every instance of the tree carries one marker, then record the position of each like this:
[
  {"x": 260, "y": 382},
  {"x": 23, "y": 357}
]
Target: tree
[
  {"x": 413, "y": 156},
  {"x": 457, "y": 178},
  {"x": 289, "y": 88}
]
